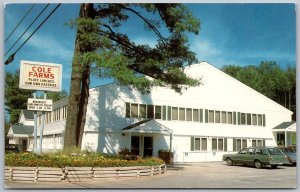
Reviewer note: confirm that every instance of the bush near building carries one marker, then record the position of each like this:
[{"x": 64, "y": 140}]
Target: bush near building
[{"x": 27, "y": 159}]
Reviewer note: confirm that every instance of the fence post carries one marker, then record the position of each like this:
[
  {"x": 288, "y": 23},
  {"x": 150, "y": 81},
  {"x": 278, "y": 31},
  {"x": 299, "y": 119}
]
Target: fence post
[
  {"x": 36, "y": 174},
  {"x": 152, "y": 169},
  {"x": 10, "y": 174},
  {"x": 138, "y": 172}
]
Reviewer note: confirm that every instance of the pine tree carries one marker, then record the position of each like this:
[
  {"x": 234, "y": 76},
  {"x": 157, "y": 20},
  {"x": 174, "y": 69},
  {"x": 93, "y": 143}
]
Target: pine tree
[{"x": 100, "y": 48}]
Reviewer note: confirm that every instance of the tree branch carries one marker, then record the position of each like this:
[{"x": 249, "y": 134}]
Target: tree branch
[{"x": 156, "y": 31}]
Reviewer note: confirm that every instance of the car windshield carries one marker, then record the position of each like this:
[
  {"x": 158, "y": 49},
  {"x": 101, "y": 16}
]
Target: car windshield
[{"x": 275, "y": 151}]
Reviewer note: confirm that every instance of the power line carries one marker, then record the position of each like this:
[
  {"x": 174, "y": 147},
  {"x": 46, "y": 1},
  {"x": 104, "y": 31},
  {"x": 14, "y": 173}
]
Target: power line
[
  {"x": 27, "y": 28},
  {"x": 11, "y": 57},
  {"x": 19, "y": 23}
]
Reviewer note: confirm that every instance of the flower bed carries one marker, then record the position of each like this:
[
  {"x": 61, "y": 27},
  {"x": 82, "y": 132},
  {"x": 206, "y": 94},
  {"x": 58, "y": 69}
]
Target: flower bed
[{"x": 78, "y": 167}]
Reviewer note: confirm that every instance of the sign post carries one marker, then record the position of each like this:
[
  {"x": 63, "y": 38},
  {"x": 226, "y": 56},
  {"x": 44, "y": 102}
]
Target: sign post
[{"x": 44, "y": 77}]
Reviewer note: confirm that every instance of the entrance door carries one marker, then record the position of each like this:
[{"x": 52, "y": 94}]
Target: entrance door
[
  {"x": 135, "y": 145},
  {"x": 24, "y": 145},
  {"x": 148, "y": 146}
]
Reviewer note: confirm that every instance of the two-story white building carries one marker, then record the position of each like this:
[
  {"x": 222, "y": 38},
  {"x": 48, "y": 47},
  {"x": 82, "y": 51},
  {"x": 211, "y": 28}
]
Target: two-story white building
[{"x": 222, "y": 115}]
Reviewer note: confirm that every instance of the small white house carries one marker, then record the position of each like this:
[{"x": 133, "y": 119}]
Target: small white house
[
  {"x": 222, "y": 115},
  {"x": 22, "y": 132}
]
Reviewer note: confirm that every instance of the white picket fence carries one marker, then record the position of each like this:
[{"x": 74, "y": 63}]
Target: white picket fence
[{"x": 79, "y": 174}]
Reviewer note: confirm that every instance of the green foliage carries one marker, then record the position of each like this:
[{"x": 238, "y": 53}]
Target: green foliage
[
  {"x": 269, "y": 79},
  {"x": 55, "y": 96},
  {"x": 15, "y": 98},
  {"x": 60, "y": 159}
]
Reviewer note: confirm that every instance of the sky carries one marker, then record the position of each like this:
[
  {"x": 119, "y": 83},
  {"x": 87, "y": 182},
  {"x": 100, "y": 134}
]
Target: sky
[{"x": 236, "y": 34}]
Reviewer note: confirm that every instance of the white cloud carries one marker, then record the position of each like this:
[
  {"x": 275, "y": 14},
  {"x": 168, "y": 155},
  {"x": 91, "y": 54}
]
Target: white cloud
[{"x": 148, "y": 41}]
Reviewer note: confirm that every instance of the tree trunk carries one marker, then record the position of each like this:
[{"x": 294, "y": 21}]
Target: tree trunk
[{"x": 79, "y": 88}]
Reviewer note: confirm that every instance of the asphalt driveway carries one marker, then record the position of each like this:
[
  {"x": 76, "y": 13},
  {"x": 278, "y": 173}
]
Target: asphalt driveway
[{"x": 196, "y": 175}]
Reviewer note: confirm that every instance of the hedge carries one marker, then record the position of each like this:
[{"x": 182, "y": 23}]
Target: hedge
[{"x": 27, "y": 159}]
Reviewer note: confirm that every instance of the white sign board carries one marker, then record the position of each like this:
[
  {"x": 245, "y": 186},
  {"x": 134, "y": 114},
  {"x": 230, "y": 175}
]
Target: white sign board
[
  {"x": 39, "y": 104},
  {"x": 40, "y": 76}
]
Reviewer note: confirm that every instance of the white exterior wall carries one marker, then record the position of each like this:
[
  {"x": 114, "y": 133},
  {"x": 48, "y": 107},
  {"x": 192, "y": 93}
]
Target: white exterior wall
[{"x": 106, "y": 113}]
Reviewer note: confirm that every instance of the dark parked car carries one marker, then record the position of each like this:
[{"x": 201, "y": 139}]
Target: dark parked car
[
  {"x": 12, "y": 148},
  {"x": 290, "y": 152},
  {"x": 257, "y": 156}
]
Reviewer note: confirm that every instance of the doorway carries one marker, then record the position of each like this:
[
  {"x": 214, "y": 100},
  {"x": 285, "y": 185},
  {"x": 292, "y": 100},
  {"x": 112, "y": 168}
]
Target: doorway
[{"x": 142, "y": 146}]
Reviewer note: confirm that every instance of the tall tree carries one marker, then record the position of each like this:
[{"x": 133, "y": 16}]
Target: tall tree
[
  {"x": 55, "y": 96},
  {"x": 15, "y": 98},
  {"x": 100, "y": 48}
]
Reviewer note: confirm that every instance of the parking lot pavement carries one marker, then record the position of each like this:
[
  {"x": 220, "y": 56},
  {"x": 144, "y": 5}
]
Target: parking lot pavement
[{"x": 195, "y": 175}]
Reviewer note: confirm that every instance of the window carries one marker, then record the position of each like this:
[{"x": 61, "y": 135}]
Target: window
[
  {"x": 214, "y": 144},
  {"x": 218, "y": 144},
  {"x": 217, "y": 120},
  {"x": 257, "y": 142},
  {"x": 211, "y": 116},
  {"x": 134, "y": 110},
  {"x": 150, "y": 111},
  {"x": 243, "y": 119},
  {"x": 195, "y": 115},
  {"x": 224, "y": 117},
  {"x": 264, "y": 120},
  {"x": 182, "y": 114},
  {"x": 248, "y": 119},
  {"x": 157, "y": 112},
  {"x": 198, "y": 144},
  {"x": 234, "y": 118},
  {"x": 142, "y": 110},
  {"x": 239, "y": 144},
  {"x": 254, "y": 119},
  {"x": 189, "y": 115},
  {"x": 259, "y": 120},
  {"x": 229, "y": 117},
  {"x": 174, "y": 113}
]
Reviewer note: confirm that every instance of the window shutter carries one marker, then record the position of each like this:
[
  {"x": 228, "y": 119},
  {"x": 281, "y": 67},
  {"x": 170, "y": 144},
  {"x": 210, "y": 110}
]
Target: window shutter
[
  {"x": 264, "y": 142},
  {"x": 225, "y": 144},
  {"x": 206, "y": 115},
  {"x": 127, "y": 110},
  {"x": 192, "y": 143},
  {"x": 164, "y": 116},
  {"x": 234, "y": 118},
  {"x": 234, "y": 144},
  {"x": 201, "y": 115},
  {"x": 239, "y": 118},
  {"x": 169, "y": 113},
  {"x": 264, "y": 120}
]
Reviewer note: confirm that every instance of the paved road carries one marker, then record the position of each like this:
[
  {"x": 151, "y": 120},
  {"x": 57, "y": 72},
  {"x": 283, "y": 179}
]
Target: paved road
[{"x": 198, "y": 175}]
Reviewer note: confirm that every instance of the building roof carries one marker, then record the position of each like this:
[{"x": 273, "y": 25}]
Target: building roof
[
  {"x": 28, "y": 114},
  {"x": 22, "y": 129},
  {"x": 60, "y": 103},
  {"x": 147, "y": 126},
  {"x": 285, "y": 125}
]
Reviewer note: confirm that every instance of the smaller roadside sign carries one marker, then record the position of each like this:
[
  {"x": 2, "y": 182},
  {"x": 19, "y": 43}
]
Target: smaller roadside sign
[{"x": 39, "y": 104}]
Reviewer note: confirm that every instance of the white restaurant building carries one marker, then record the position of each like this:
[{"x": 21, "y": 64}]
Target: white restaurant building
[{"x": 222, "y": 115}]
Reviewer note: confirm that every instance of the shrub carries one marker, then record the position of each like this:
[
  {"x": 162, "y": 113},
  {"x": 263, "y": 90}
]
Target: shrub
[{"x": 80, "y": 160}]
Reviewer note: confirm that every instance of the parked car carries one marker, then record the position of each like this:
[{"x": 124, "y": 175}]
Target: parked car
[
  {"x": 290, "y": 152},
  {"x": 258, "y": 157},
  {"x": 12, "y": 148}
]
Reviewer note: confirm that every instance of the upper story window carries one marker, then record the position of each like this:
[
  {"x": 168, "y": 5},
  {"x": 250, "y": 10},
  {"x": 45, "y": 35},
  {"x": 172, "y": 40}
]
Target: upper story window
[{"x": 135, "y": 110}]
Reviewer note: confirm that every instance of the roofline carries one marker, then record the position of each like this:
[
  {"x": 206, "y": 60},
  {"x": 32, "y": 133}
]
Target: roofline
[{"x": 234, "y": 79}]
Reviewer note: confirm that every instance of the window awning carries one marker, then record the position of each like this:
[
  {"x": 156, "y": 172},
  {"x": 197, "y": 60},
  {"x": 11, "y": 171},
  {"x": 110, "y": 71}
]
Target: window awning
[
  {"x": 289, "y": 126},
  {"x": 147, "y": 126}
]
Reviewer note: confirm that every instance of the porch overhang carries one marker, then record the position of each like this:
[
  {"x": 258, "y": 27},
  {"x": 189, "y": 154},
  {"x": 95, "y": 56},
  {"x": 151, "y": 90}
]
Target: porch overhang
[
  {"x": 147, "y": 126},
  {"x": 285, "y": 127}
]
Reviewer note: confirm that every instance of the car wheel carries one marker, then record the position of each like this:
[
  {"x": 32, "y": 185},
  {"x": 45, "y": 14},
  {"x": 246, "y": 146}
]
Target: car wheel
[
  {"x": 258, "y": 164},
  {"x": 229, "y": 162},
  {"x": 274, "y": 166}
]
